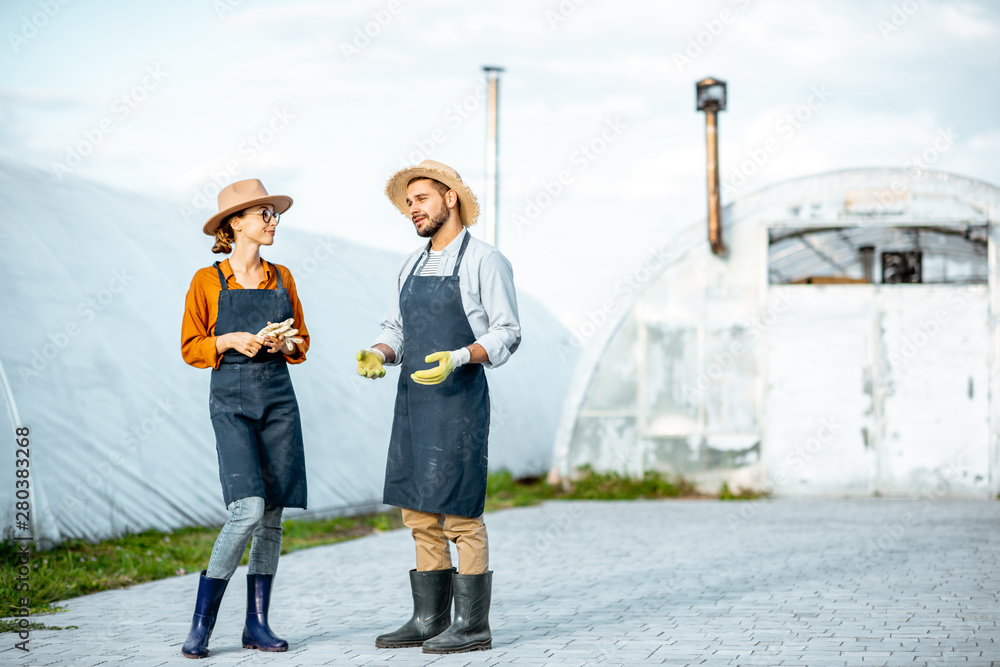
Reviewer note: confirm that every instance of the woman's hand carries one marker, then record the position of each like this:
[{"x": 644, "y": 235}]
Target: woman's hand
[
  {"x": 279, "y": 344},
  {"x": 243, "y": 342}
]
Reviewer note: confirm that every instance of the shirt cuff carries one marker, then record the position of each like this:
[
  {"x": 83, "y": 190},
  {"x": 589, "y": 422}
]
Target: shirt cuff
[
  {"x": 393, "y": 344},
  {"x": 296, "y": 357},
  {"x": 211, "y": 352},
  {"x": 496, "y": 351}
]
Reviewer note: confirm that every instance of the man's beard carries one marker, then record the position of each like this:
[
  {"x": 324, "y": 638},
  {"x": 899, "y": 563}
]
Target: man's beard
[{"x": 433, "y": 224}]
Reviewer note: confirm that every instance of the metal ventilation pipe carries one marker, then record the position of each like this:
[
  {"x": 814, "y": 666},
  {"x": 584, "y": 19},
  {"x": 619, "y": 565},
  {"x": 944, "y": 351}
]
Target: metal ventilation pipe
[
  {"x": 491, "y": 207},
  {"x": 711, "y": 98}
]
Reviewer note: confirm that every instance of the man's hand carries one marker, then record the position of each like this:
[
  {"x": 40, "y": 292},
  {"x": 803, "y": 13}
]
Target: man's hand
[
  {"x": 370, "y": 364},
  {"x": 446, "y": 364}
]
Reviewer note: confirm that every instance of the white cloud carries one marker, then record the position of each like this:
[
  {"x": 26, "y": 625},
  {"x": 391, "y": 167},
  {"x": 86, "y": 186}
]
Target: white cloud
[
  {"x": 967, "y": 21},
  {"x": 621, "y": 66},
  {"x": 987, "y": 142},
  {"x": 37, "y": 96},
  {"x": 301, "y": 14}
]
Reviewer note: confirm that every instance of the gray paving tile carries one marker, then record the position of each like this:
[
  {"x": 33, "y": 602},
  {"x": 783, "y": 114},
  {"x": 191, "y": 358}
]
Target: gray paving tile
[{"x": 637, "y": 583}]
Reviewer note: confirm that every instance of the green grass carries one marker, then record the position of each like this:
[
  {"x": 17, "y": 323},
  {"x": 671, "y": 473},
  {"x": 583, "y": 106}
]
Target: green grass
[
  {"x": 503, "y": 491},
  {"x": 77, "y": 567},
  {"x": 15, "y": 626},
  {"x": 613, "y": 486},
  {"x": 739, "y": 494}
]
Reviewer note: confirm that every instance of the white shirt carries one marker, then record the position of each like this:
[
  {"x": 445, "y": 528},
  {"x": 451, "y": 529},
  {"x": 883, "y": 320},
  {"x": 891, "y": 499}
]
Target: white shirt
[{"x": 487, "y": 286}]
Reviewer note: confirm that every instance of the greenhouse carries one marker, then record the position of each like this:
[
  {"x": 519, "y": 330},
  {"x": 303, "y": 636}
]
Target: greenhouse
[{"x": 845, "y": 344}]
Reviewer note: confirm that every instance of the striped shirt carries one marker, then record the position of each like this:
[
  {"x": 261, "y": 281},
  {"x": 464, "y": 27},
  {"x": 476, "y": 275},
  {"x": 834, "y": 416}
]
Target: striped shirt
[{"x": 430, "y": 267}]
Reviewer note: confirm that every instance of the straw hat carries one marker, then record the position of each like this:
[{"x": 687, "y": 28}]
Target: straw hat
[
  {"x": 241, "y": 195},
  {"x": 395, "y": 189}
]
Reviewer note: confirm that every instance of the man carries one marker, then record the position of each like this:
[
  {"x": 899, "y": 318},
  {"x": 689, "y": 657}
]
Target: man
[{"x": 454, "y": 307}]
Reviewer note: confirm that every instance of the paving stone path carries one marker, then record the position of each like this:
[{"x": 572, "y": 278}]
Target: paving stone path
[{"x": 773, "y": 582}]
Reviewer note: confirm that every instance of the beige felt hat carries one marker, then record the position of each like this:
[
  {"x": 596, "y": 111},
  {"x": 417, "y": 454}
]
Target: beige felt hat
[
  {"x": 395, "y": 189},
  {"x": 241, "y": 195}
]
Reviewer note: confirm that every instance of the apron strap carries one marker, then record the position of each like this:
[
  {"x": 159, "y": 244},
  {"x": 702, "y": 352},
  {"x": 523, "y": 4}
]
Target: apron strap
[
  {"x": 278, "y": 273},
  {"x": 461, "y": 252},
  {"x": 426, "y": 253},
  {"x": 222, "y": 278}
]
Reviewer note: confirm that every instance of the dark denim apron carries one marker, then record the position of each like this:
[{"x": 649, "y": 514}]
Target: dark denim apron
[
  {"x": 258, "y": 435},
  {"x": 437, "y": 454}
]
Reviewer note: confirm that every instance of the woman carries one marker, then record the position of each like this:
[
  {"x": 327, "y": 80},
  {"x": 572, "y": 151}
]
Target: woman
[{"x": 252, "y": 405}]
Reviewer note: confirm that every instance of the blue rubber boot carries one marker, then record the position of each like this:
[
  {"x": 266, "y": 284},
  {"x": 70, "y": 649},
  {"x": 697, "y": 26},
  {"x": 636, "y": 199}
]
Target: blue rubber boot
[
  {"x": 206, "y": 608},
  {"x": 256, "y": 633}
]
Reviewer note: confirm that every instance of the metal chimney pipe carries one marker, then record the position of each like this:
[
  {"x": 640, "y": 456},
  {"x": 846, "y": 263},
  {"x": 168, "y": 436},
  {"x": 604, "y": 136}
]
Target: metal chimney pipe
[
  {"x": 711, "y": 98},
  {"x": 714, "y": 204},
  {"x": 491, "y": 206}
]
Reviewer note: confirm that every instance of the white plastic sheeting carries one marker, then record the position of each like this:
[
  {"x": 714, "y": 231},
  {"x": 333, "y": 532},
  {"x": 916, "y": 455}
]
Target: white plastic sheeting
[
  {"x": 94, "y": 283},
  {"x": 713, "y": 372}
]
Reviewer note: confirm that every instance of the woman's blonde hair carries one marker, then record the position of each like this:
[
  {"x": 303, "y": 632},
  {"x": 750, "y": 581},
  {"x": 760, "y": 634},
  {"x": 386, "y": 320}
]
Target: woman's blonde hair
[{"x": 224, "y": 236}]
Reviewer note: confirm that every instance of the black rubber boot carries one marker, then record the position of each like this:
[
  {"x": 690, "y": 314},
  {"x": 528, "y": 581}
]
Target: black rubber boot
[
  {"x": 256, "y": 633},
  {"x": 431, "y": 610},
  {"x": 206, "y": 608},
  {"x": 471, "y": 629}
]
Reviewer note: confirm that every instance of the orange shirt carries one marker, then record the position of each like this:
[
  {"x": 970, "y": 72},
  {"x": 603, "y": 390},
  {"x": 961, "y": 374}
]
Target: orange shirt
[{"x": 201, "y": 310}]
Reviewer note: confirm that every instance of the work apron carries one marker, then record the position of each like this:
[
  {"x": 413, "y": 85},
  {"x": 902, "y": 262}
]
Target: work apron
[
  {"x": 438, "y": 450},
  {"x": 258, "y": 435}
]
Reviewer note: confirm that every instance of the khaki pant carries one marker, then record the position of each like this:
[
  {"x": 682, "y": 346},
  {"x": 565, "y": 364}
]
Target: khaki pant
[{"x": 431, "y": 533}]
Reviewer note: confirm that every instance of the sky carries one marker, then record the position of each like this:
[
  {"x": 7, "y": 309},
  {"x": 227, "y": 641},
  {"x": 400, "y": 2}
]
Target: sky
[{"x": 602, "y": 153}]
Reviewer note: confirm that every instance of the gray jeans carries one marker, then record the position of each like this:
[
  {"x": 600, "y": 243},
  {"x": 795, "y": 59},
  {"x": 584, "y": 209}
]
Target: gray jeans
[{"x": 247, "y": 517}]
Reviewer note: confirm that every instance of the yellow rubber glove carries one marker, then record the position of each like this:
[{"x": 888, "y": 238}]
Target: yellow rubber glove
[
  {"x": 370, "y": 364},
  {"x": 437, "y": 374}
]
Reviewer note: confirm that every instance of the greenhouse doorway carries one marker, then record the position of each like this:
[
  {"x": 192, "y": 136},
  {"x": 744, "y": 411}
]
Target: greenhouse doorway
[{"x": 877, "y": 372}]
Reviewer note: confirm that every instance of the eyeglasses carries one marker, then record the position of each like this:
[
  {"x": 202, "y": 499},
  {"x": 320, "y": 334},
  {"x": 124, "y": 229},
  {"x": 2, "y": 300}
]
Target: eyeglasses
[{"x": 266, "y": 215}]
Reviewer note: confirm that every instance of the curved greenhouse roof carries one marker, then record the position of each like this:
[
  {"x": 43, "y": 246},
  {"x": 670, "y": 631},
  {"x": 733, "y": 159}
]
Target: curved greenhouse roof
[{"x": 786, "y": 366}]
